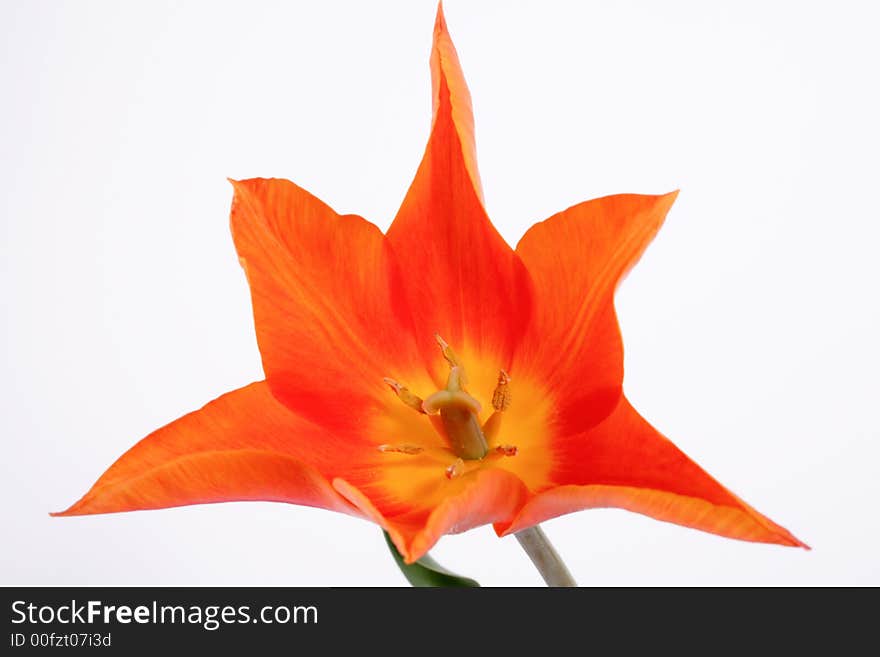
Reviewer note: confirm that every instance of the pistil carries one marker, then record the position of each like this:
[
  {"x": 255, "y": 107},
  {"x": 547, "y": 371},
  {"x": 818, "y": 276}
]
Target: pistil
[{"x": 458, "y": 414}]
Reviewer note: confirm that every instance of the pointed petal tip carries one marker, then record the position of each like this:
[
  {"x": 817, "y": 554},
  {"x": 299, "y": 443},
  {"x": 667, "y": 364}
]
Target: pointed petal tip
[
  {"x": 793, "y": 541},
  {"x": 72, "y": 510},
  {"x": 84, "y": 506},
  {"x": 442, "y": 41},
  {"x": 78, "y": 508},
  {"x": 246, "y": 183},
  {"x": 239, "y": 186},
  {"x": 440, "y": 21},
  {"x": 444, "y": 50},
  {"x": 786, "y": 539}
]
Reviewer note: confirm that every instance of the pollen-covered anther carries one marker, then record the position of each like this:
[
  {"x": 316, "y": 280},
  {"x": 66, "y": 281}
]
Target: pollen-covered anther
[
  {"x": 456, "y": 469},
  {"x": 500, "y": 402},
  {"x": 501, "y": 394},
  {"x": 405, "y": 395},
  {"x": 506, "y": 450},
  {"x": 402, "y": 448}
]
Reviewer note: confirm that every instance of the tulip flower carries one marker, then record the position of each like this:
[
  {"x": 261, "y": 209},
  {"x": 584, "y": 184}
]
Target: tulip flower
[{"x": 432, "y": 379}]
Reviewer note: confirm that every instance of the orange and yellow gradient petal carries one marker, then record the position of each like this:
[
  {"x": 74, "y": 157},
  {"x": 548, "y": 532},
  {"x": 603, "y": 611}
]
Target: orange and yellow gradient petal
[
  {"x": 462, "y": 279},
  {"x": 244, "y": 445},
  {"x": 625, "y": 462}
]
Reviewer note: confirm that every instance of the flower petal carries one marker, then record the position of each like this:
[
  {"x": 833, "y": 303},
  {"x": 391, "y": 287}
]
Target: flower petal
[
  {"x": 244, "y": 445},
  {"x": 482, "y": 497},
  {"x": 576, "y": 259},
  {"x": 624, "y": 462},
  {"x": 461, "y": 278},
  {"x": 449, "y": 90},
  {"x": 328, "y": 324}
]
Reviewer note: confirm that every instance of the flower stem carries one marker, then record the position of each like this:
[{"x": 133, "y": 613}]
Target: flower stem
[{"x": 545, "y": 557}]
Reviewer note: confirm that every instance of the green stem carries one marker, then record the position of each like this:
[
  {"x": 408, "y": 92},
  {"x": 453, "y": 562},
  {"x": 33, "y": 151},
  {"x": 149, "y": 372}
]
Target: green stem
[{"x": 545, "y": 557}]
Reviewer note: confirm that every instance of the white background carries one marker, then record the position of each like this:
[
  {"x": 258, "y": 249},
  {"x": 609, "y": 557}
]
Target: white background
[{"x": 750, "y": 325}]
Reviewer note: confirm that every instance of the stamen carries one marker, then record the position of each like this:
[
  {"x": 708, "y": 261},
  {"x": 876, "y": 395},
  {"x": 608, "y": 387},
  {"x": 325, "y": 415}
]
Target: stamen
[
  {"x": 455, "y": 470},
  {"x": 447, "y": 352},
  {"x": 500, "y": 402},
  {"x": 501, "y": 395},
  {"x": 403, "y": 448},
  {"x": 506, "y": 450},
  {"x": 406, "y": 396},
  {"x": 492, "y": 426}
]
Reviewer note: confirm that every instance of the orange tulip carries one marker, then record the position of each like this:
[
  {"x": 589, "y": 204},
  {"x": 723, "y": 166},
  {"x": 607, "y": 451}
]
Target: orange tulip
[{"x": 514, "y": 416}]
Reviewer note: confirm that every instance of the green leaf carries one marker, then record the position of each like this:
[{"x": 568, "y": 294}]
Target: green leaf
[{"x": 426, "y": 571}]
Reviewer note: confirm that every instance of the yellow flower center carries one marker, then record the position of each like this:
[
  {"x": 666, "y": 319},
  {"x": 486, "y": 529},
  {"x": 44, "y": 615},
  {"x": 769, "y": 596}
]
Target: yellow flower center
[
  {"x": 458, "y": 412},
  {"x": 422, "y": 457}
]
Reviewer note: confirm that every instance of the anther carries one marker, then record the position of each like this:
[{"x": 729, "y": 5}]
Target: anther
[
  {"x": 406, "y": 396},
  {"x": 455, "y": 470},
  {"x": 506, "y": 450},
  {"x": 501, "y": 395},
  {"x": 500, "y": 402},
  {"x": 403, "y": 448}
]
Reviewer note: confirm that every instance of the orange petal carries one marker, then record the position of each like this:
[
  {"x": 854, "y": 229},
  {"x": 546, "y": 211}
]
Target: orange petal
[
  {"x": 328, "y": 325},
  {"x": 244, "y": 445},
  {"x": 624, "y": 462},
  {"x": 479, "y": 498},
  {"x": 450, "y": 92},
  {"x": 461, "y": 278},
  {"x": 576, "y": 259}
]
